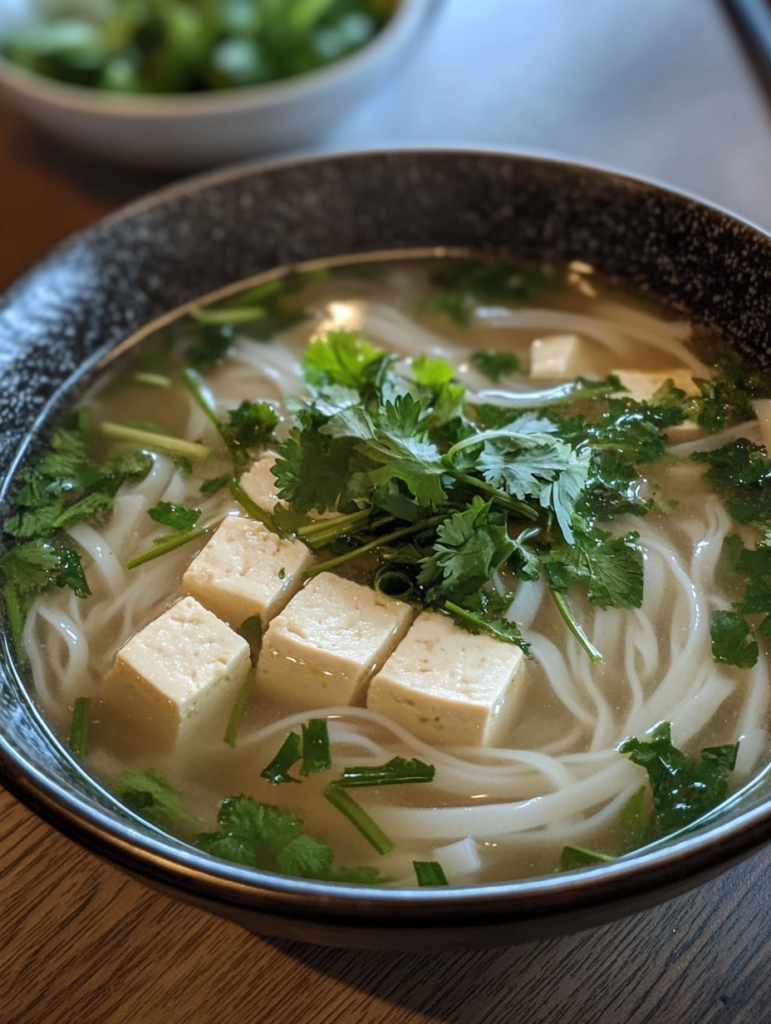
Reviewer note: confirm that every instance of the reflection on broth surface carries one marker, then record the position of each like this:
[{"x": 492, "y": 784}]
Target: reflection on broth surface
[{"x": 476, "y": 523}]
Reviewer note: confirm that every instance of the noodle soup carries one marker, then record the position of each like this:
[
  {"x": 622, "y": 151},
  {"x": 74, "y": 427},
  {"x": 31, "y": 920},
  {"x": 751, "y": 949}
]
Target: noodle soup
[{"x": 523, "y": 451}]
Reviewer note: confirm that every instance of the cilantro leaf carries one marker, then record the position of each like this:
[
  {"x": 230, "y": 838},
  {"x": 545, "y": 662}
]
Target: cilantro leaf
[
  {"x": 610, "y": 567},
  {"x": 573, "y": 858},
  {"x": 502, "y": 629},
  {"x": 462, "y": 283},
  {"x": 339, "y": 357},
  {"x": 470, "y": 546},
  {"x": 311, "y": 470},
  {"x": 252, "y": 423},
  {"x": 495, "y": 365},
  {"x": 683, "y": 788},
  {"x": 260, "y": 835},
  {"x": 176, "y": 517},
  {"x": 149, "y": 794},
  {"x": 731, "y": 643}
]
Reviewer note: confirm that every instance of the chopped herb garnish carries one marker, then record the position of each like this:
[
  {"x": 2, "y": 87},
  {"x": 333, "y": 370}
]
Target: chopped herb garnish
[
  {"x": 574, "y": 857},
  {"x": 429, "y": 872},
  {"x": 262, "y": 836},
  {"x": 358, "y": 817},
  {"x": 234, "y": 722},
  {"x": 176, "y": 517},
  {"x": 163, "y": 545},
  {"x": 394, "y": 772},
  {"x": 150, "y": 795},
  {"x": 495, "y": 365},
  {"x": 157, "y": 442},
  {"x": 215, "y": 484},
  {"x": 289, "y": 754},
  {"x": 78, "y": 738},
  {"x": 683, "y": 787},
  {"x": 315, "y": 743}
]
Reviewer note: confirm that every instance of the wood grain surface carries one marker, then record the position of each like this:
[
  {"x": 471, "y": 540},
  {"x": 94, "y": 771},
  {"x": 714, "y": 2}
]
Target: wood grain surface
[{"x": 82, "y": 944}]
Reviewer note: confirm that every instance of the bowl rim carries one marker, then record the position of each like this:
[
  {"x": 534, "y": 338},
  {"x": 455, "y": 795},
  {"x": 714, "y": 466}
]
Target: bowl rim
[
  {"x": 154, "y": 858},
  {"x": 187, "y": 105}
]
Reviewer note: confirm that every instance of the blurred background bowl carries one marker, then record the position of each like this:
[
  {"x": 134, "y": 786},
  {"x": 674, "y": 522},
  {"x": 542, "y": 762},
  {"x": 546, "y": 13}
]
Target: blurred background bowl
[
  {"x": 187, "y": 131},
  {"x": 116, "y": 279}
]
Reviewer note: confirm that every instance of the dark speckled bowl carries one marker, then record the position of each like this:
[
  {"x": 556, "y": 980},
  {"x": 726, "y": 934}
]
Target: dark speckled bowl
[{"x": 112, "y": 281}]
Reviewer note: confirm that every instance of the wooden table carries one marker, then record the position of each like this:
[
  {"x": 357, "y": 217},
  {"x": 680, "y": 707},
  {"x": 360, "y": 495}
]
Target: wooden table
[{"x": 659, "y": 87}]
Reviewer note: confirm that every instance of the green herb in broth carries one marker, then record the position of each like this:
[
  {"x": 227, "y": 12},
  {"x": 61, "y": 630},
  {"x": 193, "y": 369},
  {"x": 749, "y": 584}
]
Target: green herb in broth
[{"x": 459, "y": 498}]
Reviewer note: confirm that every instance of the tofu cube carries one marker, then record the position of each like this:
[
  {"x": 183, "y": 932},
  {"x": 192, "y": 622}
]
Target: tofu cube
[
  {"x": 259, "y": 483},
  {"x": 642, "y": 385},
  {"x": 246, "y": 570},
  {"x": 556, "y": 357},
  {"x": 183, "y": 667},
  {"x": 323, "y": 648},
  {"x": 448, "y": 686}
]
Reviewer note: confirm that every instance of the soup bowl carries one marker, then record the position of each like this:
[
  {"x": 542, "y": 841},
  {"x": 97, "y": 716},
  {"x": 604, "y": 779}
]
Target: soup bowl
[{"x": 116, "y": 281}]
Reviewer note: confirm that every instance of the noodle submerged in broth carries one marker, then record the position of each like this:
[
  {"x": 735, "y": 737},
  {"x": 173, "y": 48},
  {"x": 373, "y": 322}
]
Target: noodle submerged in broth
[{"x": 547, "y": 463}]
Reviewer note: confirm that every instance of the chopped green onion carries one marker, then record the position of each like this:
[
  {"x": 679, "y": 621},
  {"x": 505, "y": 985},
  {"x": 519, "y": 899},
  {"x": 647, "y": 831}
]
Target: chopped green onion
[
  {"x": 358, "y": 817},
  {"x": 289, "y": 753},
  {"x": 395, "y": 772},
  {"x": 234, "y": 722},
  {"x": 429, "y": 872},
  {"x": 157, "y": 442},
  {"x": 166, "y": 544},
  {"x": 393, "y": 583},
  {"x": 79, "y": 727},
  {"x": 574, "y": 857},
  {"x": 316, "y": 754}
]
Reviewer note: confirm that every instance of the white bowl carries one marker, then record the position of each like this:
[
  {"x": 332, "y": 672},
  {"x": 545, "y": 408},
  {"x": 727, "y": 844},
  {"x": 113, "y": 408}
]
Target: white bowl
[{"x": 193, "y": 130}]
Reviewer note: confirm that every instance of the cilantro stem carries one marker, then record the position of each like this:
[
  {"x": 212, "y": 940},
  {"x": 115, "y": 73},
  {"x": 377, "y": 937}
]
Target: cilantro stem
[
  {"x": 200, "y": 393},
  {"x": 378, "y": 542},
  {"x": 224, "y": 316},
  {"x": 256, "y": 511},
  {"x": 79, "y": 727},
  {"x": 157, "y": 442},
  {"x": 498, "y": 496},
  {"x": 574, "y": 627},
  {"x": 234, "y": 722},
  {"x": 16, "y": 621},
  {"x": 167, "y": 544},
  {"x": 154, "y": 380},
  {"x": 325, "y": 530},
  {"x": 359, "y": 818}
]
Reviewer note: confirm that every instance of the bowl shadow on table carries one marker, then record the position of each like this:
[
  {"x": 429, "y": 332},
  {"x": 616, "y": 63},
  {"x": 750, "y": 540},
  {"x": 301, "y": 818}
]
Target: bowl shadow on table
[{"x": 667, "y": 963}]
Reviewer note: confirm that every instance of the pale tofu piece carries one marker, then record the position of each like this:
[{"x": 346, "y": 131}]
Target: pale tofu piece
[
  {"x": 259, "y": 483},
  {"x": 557, "y": 357},
  {"x": 247, "y": 570},
  {"x": 762, "y": 407},
  {"x": 323, "y": 648},
  {"x": 184, "y": 667},
  {"x": 642, "y": 385},
  {"x": 446, "y": 685}
]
